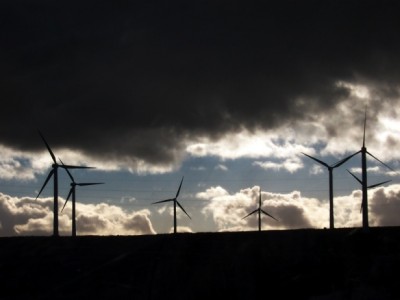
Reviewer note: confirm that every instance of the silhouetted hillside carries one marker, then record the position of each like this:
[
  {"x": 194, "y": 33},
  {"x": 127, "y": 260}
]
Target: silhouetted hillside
[{"x": 296, "y": 264}]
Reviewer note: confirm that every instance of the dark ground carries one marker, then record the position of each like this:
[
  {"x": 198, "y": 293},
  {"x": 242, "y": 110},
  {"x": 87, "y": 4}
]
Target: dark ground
[{"x": 288, "y": 264}]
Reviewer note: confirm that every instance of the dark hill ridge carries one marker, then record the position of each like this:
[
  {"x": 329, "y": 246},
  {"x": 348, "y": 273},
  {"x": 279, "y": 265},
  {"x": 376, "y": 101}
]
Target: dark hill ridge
[{"x": 299, "y": 264}]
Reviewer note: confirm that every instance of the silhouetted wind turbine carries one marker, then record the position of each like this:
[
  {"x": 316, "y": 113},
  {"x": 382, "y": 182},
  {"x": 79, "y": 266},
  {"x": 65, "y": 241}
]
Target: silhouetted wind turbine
[
  {"x": 54, "y": 173},
  {"x": 363, "y": 181},
  {"x": 175, "y": 200},
  {"x": 330, "y": 169},
  {"x": 259, "y": 210},
  {"x": 72, "y": 192}
]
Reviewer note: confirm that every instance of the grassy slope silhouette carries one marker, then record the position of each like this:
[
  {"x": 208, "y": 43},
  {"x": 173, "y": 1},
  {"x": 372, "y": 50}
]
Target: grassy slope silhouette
[{"x": 305, "y": 264}]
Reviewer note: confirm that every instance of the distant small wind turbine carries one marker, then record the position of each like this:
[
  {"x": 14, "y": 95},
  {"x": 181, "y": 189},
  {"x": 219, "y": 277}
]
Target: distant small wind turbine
[
  {"x": 54, "y": 173},
  {"x": 175, "y": 200},
  {"x": 363, "y": 181},
  {"x": 259, "y": 210},
  {"x": 72, "y": 192},
  {"x": 330, "y": 169}
]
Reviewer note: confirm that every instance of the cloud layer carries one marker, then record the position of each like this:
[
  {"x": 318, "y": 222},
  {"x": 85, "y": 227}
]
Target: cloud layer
[
  {"x": 27, "y": 216},
  {"x": 294, "y": 211},
  {"x": 135, "y": 84}
]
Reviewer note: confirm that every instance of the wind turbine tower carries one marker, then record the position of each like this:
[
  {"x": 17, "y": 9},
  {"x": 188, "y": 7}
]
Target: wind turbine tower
[
  {"x": 175, "y": 200},
  {"x": 72, "y": 192},
  {"x": 54, "y": 173},
  {"x": 330, "y": 170},
  {"x": 364, "y": 181}
]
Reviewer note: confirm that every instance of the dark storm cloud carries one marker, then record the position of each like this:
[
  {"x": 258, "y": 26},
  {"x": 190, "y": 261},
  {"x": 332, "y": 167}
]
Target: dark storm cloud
[{"x": 123, "y": 78}]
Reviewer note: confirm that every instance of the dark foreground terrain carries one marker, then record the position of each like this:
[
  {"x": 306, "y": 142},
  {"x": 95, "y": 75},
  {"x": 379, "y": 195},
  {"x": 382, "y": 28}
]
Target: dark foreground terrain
[{"x": 292, "y": 264}]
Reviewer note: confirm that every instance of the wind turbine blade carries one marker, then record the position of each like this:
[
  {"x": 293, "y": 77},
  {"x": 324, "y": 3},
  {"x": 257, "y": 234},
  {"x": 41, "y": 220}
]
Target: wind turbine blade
[
  {"x": 264, "y": 212},
  {"x": 76, "y": 167},
  {"x": 65, "y": 203},
  {"x": 89, "y": 183},
  {"x": 381, "y": 162},
  {"x": 341, "y": 162},
  {"x": 45, "y": 182},
  {"x": 179, "y": 189},
  {"x": 183, "y": 209},
  {"x": 365, "y": 123},
  {"x": 317, "y": 160},
  {"x": 162, "y": 201},
  {"x": 355, "y": 177},
  {"x": 48, "y": 148},
  {"x": 378, "y": 184},
  {"x": 70, "y": 193},
  {"x": 254, "y": 211},
  {"x": 66, "y": 169}
]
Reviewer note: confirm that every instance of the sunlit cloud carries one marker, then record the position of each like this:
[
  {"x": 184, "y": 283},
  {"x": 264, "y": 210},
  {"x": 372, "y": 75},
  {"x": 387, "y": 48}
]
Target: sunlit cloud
[
  {"x": 316, "y": 169},
  {"x": 221, "y": 167},
  {"x": 337, "y": 133},
  {"x": 28, "y": 216},
  {"x": 356, "y": 90},
  {"x": 247, "y": 144},
  {"x": 295, "y": 211},
  {"x": 16, "y": 164},
  {"x": 291, "y": 165}
]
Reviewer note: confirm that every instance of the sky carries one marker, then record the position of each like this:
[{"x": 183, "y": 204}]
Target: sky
[{"x": 227, "y": 95}]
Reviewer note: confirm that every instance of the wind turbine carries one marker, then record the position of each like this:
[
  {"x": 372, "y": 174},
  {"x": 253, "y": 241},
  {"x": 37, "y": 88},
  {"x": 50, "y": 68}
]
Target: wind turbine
[
  {"x": 72, "y": 192},
  {"x": 363, "y": 181},
  {"x": 54, "y": 173},
  {"x": 175, "y": 200},
  {"x": 330, "y": 170},
  {"x": 259, "y": 210}
]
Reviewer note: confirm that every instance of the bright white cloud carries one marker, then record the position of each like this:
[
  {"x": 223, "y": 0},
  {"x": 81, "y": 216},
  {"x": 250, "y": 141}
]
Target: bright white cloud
[
  {"x": 221, "y": 167},
  {"x": 253, "y": 145},
  {"x": 331, "y": 133},
  {"x": 356, "y": 90},
  {"x": 294, "y": 211},
  {"x": 291, "y": 165},
  {"x": 375, "y": 170},
  {"x": 15, "y": 164},
  {"x": 27, "y": 216},
  {"x": 316, "y": 169}
]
